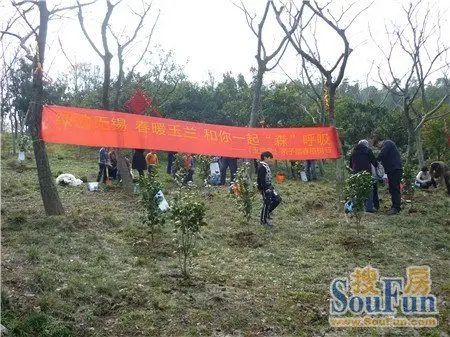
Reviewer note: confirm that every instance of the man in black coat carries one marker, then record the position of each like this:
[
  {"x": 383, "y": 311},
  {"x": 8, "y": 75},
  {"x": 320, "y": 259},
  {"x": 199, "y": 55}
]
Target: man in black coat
[
  {"x": 227, "y": 162},
  {"x": 362, "y": 159},
  {"x": 139, "y": 162},
  {"x": 390, "y": 159}
]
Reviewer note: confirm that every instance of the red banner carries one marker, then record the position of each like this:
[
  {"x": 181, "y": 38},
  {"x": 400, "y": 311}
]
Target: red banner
[{"x": 68, "y": 125}]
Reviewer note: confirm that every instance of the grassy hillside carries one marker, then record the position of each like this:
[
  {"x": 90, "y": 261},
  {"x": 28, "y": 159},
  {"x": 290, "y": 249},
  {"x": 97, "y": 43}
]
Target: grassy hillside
[{"x": 95, "y": 272}]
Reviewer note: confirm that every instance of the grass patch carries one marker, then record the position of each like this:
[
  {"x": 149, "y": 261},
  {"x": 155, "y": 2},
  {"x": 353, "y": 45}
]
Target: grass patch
[{"x": 95, "y": 272}]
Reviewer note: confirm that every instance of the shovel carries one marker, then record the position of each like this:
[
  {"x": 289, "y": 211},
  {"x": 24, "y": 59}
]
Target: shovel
[{"x": 107, "y": 181}]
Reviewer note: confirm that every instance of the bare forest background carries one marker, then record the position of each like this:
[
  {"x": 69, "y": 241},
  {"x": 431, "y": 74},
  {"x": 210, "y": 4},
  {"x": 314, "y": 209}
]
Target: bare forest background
[{"x": 410, "y": 106}]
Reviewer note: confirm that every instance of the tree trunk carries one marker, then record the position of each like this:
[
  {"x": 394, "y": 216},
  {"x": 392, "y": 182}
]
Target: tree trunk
[
  {"x": 321, "y": 169},
  {"x": 340, "y": 162},
  {"x": 256, "y": 103},
  {"x": 119, "y": 82},
  {"x": 13, "y": 131},
  {"x": 127, "y": 180},
  {"x": 419, "y": 148},
  {"x": 106, "y": 81},
  {"x": 49, "y": 193},
  {"x": 411, "y": 141}
]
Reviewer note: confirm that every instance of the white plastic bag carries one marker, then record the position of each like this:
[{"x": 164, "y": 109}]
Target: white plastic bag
[
  {"x": 92, "y": 186},
  {"x": 163, "y": 204}
]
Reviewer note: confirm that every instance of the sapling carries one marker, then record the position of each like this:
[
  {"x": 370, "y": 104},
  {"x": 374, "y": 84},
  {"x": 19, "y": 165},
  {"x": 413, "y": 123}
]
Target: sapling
[
  {"x": 357, "y": 191},
  {"x": 179, "y": 170},
  {"x": 409, "y": 181},
  {"x": 203, "y": 166},
  {"x": 188, "y": 216},
  {"x": 150, "y": 186},
  {"x": 244, "y": 191}
]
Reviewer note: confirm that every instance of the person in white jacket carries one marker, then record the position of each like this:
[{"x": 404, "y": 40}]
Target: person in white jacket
[{"x": 424, "y": 179}]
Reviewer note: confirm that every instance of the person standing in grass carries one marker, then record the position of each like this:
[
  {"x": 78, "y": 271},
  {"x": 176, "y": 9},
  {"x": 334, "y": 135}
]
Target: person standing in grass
[
  {"x": 102, "y": 164},
  {"x": 138, "y": 162},
  {"x": 225, "y": 163},
  {"x": 189, "y": 165},
  {"x": 112, "y": 169},
  {"x": 170, "y": 160},
  {"x": 390, "y": 159},
  {"x": 152, "y": 160},
  {"x": 270, "y": 198}
]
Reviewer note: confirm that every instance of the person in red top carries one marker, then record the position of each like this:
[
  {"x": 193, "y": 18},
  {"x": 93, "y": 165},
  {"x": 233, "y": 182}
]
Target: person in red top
[{"x": 152, "y": 160}]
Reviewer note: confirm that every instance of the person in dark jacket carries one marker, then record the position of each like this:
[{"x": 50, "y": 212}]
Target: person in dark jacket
[
  {"x": 271, "y": 199},
  {"x": 390, "y": 159},
  {"x": 225, "y": 163},
  {"x": 139, "y": 162},
  {"x": 103, "y": 163},
  {"x": 113, "y": 169},
  {"x": 170, "y": 160},
  {"x": 362, "y": 159}
]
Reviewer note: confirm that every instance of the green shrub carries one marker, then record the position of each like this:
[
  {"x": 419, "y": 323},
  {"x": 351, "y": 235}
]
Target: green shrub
[
  {"x": 357, "y": 190},
  {"x": 409, "y": 178},
  {"x": 244, "y": 191},
  {"x": 203, "y": 164},
  {"x": 25, "y": 143},
  {"x": 149, "y": 187},
  {"x": 178, "y": 169},
  {"x": 188, "y": 217}
]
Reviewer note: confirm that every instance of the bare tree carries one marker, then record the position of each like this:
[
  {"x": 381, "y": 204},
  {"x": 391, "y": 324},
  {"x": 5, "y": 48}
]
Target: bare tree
[
  {"x": 124, "y": 47},
  {"x": 298, "y": 19},
  {"x": 426, "y": 57},
  {"x": 5, "y": 79},
  {"x": 107, "y": 56},
  {"x": 49, "y": 193},
  {"x": 262, "y": 57}
]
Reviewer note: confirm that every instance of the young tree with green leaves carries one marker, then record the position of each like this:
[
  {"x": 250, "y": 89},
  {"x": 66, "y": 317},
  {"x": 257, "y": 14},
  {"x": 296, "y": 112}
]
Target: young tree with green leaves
[
  {"x": 188, "y": 216},
  {"x": 150, "y": 186},
  {"x": 244, "y": 191},
  {"x": 357, "y": 191},
  {"x": 435, "y": 139},
  {"x": 203, "y": 164}
]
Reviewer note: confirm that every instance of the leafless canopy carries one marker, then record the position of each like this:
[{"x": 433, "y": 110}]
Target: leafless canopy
[
  {"x": 24, "y": 11},
  {"x": 294, "y": 20},
  {"x": 262, "y": 57},
  {"x": 419, "y": 40}
]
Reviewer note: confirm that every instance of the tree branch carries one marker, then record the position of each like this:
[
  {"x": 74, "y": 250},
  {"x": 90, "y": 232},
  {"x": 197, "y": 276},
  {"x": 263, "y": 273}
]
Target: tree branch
[
  {"x": 62, "y": 9},
  {"x": 83, "y": 28},
  {"x": 147, "y": 45},
  {"x": 23, "y": 40}
]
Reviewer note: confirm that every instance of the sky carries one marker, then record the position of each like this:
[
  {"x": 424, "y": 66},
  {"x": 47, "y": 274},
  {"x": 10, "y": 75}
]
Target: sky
[{"x": 212, "y": 36}]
